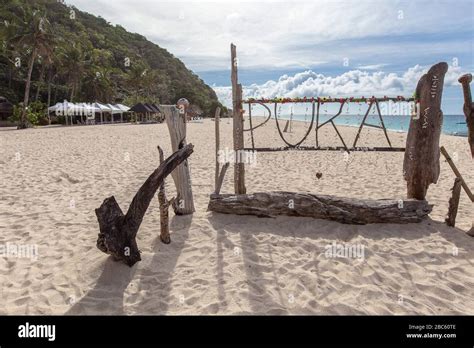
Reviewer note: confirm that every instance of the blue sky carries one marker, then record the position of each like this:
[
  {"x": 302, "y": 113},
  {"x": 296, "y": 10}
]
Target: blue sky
[{"x": 290, "y": 48}]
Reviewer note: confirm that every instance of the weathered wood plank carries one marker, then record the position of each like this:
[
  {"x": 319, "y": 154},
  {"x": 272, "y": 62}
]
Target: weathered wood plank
[
  {"x": 176, "y": 121},
  {"x": 421, "y": 163},
  {"x": 345, "y": 210}
]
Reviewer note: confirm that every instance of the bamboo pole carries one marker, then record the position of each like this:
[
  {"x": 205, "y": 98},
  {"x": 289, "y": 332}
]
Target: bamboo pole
[{"x": 458, "y": 174}]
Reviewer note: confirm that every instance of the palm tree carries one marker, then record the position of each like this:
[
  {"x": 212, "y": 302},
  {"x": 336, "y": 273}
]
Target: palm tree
[
  {"x": 73, "y": 66},
  {"x": 36, "y": 38},
  {"x": 8, "y": 31}
]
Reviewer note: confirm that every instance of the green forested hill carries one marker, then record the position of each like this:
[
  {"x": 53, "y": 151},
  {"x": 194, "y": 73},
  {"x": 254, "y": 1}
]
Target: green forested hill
[{"x": 81, "y": 57}]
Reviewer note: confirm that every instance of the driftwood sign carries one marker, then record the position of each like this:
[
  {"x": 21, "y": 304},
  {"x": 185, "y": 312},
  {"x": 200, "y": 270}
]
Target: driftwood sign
[{"x": 421, "y": 162}]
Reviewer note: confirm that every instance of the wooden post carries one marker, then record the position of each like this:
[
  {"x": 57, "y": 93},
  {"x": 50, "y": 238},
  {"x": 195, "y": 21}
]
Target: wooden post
[
  {"x": 468, "y": 109},
  {"x": 454, "y": 203},
  {"x": 218, "y": 138},
  {"x": 421, "y": 162},
  {"x": 164, "y": 208},
  {"x": 176, "y": 121},
  {"x": 239, "y": 168},
  {"x": 221, "y": 178},
  {"x": 457, "y": 173}
]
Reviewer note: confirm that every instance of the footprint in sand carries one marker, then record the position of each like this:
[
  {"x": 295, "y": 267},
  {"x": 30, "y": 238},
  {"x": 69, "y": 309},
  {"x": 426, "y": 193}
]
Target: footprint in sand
[{"x": 62, "y": 175}]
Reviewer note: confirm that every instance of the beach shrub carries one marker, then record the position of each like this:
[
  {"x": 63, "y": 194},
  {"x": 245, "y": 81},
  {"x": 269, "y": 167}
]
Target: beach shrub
[{"x": 35, "y": 114}]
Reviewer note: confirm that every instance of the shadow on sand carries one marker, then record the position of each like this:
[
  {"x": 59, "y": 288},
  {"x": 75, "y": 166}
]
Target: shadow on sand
[
  {"x": 107, "y": 296},
  {"x": 306, "y": 228}
]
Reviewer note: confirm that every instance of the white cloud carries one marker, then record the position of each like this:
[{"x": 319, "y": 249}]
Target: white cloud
[
  {"x": 372, "y": 67},
  {"x": 282, "y": 33},
  {"x": 354, "y": 83}
]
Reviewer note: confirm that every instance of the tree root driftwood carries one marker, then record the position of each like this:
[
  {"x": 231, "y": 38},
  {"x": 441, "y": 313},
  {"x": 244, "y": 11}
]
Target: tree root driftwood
[
  {"x": 344, "y": 210},
  {"x": 118, "y": 231}
]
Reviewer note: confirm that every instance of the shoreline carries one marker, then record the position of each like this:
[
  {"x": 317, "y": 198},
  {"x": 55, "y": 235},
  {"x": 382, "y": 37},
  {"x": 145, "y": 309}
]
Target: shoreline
[
  {"x": 358, "y": 125},
  {"x": 217, "y": 263}
]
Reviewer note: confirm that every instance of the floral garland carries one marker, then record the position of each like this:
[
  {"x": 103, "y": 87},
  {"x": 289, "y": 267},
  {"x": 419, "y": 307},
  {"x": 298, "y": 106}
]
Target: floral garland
[{"x": 323, "y": 100}]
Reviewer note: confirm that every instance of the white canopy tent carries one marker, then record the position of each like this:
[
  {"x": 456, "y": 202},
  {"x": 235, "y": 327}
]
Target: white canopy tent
[
  {"x": 89, "y": 110},
  {"x": 118, "y": 109}
]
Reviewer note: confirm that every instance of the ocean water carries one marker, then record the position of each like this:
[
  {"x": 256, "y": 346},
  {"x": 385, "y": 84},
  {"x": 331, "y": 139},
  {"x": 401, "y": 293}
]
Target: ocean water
[{"x": 452, "y": 124}]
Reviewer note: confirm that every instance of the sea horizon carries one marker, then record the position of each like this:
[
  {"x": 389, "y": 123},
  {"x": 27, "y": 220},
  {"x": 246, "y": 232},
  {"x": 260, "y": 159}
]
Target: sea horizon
[{"x": 452, "y": 124}]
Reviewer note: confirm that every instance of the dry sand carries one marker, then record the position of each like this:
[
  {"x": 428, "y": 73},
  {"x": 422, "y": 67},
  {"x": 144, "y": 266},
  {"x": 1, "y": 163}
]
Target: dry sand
[{"x": 54, "y": 178}]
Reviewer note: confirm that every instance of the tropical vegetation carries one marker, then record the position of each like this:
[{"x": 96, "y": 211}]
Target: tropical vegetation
[{"x": 50, "y": 52}]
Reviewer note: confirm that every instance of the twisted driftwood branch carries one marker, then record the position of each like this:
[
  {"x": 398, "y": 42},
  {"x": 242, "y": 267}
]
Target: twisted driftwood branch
[{"x": 118, "y": 231}]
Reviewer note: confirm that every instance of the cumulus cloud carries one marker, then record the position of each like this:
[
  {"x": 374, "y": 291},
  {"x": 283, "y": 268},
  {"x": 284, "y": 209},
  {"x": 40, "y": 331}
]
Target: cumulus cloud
[
  {"x": 352, "y": 83},
  {"x": 372, "y": 67},
  {"x": 287, "y": 33}
]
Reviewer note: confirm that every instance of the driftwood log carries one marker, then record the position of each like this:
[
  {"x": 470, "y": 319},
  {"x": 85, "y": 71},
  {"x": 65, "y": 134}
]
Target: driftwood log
[
  {"x": 421, "y": 162},
  {"x": 344, "y": 210},
  {"x": 176, "y": 121},
  {"x": 118, "y": 231},
  {"x": 468, "y": 109},
  {"x": 454, "y": 203},
  {"x": 164, "y": 208}
]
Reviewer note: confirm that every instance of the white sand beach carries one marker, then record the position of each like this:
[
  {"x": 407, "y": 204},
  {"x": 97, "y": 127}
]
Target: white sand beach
[{"x": 54, "y": 178}]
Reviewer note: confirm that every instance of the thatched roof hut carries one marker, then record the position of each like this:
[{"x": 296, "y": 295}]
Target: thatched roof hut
[
  {"x": 6, "y": 108},
  {"x": 141, "y": 108},
  {"x": 151, "y": 112},
  {"x": 153, "y": 107}
]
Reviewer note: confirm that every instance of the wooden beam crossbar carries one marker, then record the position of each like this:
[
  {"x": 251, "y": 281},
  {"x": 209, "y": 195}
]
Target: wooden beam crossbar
[{"x": 327, "y": 148}]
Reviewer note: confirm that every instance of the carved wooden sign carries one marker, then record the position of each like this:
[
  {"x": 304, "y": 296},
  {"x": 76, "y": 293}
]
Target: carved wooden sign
[{"x": 421, "y": 163}]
